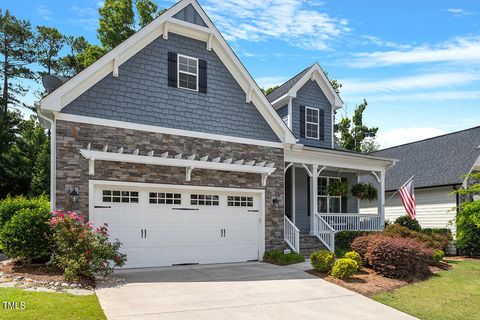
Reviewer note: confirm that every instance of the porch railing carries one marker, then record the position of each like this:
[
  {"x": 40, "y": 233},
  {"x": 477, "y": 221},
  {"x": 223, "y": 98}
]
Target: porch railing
[
  {"x": 324, "y": 232},
  {"x": 292, "y": 234},
  {"x": 353, "y": 222}
]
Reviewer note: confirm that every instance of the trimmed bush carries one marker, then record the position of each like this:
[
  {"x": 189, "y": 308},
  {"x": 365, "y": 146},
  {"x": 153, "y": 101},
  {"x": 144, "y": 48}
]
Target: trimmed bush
[
  {"x": 437, "y": 256},
  {"x": 344, "y": 239},
  {"x": 282, "y": 259},
  {"x": 9, "y": 206},
  {"x": 27, "y": 235},
  {"x": 355, "y": 257},
  {"x": 360, "y": 245},
  {"x": 344, "y": 268},
  {"x": 322, "y": 260},
  {"x": 434, "y": 240},
  {"x": 405, "y": 221},
  {"x": 81, "y": 251},
  {"x": 399, "y": 258}
]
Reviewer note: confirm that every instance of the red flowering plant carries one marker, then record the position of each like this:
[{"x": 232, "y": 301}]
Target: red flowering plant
[{"x": 82, "y": 251}]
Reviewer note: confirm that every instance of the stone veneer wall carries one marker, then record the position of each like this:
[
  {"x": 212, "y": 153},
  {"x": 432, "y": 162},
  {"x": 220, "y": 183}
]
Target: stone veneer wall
[{"x": 72, "y": 168}]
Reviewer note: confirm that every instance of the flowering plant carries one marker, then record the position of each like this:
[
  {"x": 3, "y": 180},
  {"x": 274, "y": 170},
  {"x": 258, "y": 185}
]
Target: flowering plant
[{"x": 82, "y": 251}]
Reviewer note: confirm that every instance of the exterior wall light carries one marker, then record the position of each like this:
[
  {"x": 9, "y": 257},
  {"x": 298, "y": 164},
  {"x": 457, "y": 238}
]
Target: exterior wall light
[{"x": 73, "y": 193}]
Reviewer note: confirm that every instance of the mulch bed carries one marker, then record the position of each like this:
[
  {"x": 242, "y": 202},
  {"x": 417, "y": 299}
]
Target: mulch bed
[
  {"x": 369, "y": 283},
  {"x": 37, "y": 272}
]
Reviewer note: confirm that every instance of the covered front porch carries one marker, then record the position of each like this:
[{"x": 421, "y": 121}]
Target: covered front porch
[{"x": 311, "y": 207}]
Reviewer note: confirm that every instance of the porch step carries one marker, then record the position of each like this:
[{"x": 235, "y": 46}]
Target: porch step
[{"x": 310, "y": 244}]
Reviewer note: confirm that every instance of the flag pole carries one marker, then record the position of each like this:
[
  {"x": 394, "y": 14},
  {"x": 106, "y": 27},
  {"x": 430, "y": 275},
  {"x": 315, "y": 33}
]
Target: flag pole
[{"x": 403, "y": 185}]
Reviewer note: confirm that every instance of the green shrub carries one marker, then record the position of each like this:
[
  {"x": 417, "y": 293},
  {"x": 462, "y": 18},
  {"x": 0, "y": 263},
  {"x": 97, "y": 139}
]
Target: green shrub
[
  {"x": 442, "y": 231},
  {"x": 9, "y": 206},
  {"x": 344, "y": 239},
  {"x": 405, "y": 221},
  {"x": 322, "y": 260},
  {"x": 399, "y": 258},
  {"x": 81, "y": 251},
  {"x": 27, "y": 235},
  {"x": 467, "y": 239},
  {"x": 282, "y": 259},
  {"x": 355, "y": 257},
  {"x": 437, "y": 256},
  {"x": 344, "y": 268},
  {"x": 435, "y": 240}
]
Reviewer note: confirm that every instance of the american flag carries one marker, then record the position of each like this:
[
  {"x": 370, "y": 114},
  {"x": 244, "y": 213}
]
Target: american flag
[{"x": 408, "y": 199}]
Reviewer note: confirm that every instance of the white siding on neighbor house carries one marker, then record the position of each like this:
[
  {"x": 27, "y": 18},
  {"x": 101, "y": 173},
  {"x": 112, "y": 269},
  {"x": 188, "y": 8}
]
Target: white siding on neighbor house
[{"x": 433, "y": 207}]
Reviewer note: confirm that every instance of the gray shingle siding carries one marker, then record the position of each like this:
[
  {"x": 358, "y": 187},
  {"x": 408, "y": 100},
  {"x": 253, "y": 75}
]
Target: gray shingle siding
[
  {"x": 311, "y": 95},
  {"x": 141, "y": 95},
  {"x": 283, "y": 112},
  {"x": 189, "y": 14}
]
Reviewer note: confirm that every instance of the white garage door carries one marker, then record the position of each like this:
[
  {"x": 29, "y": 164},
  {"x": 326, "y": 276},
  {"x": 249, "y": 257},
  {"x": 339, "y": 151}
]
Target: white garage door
[{"x": 167, "y": 226}]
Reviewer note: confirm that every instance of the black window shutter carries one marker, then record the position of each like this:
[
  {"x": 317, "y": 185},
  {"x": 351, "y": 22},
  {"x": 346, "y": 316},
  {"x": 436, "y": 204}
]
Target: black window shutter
[
  {"x": 202, "y": 76},
  {"x": 172, "y": 69},
  {"x": 321, "y": 126},
  {"x": 302, "y": 121},
  {"x": 344, "y": 199}
]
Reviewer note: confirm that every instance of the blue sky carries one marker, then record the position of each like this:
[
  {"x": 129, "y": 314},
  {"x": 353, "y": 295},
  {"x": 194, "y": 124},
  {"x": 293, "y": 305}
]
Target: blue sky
[{"x": 416, "y": 62}]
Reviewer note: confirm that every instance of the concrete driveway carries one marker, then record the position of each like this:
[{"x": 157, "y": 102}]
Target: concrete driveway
[{"x": 233, "y": 291}]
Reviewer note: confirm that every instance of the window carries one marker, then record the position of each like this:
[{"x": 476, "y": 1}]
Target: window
[
  {"x": 120, "y": 196},
  {"x": 326, "y": 203},
  {"x": 187, "y": 73},
  {"x": 311, "y": 123},
  {"x": 165, "y": 198},
  {"x": 203, "y": 200},
  {"x": 234, "y": 201}
]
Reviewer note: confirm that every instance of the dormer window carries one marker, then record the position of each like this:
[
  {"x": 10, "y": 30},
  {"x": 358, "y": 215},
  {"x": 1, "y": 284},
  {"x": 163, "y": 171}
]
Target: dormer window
[
  {"x": 187, "y": 72},
  {"x": 312, "y": 123}
]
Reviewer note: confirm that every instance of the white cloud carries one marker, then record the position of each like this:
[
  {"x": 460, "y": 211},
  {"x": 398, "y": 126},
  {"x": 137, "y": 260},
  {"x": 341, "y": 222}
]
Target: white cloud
[
  {"x": 460, "y": 49},
  {"x": 424, "y": 96},
  {"x": 458, "y": 12},
  {"x": 287, "y": 20},
  {"x": 369, "y": 39},
  {"x": 421, "y": 81},
  {"x": 44, "y": 12},
  {"x": 397, "y": 136},
  {"x": 268, "y": 82},
  {"x": 86, "y": 17}
]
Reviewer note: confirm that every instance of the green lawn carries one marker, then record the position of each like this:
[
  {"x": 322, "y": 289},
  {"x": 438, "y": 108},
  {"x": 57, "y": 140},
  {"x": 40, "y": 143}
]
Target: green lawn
[
  {"x": 44, "y": 305},
  {"x": 452, "y": 294}
]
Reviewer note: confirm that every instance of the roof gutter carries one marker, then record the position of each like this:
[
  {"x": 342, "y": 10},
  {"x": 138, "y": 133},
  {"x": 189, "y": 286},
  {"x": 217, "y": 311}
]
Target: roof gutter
[{"x": 49, "y": 123}]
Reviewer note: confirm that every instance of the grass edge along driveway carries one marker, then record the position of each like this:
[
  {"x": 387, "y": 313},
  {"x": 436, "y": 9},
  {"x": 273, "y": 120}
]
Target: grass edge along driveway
[
  {"x": 50, "y": 305},
  {"x": 452, "y": 294}
]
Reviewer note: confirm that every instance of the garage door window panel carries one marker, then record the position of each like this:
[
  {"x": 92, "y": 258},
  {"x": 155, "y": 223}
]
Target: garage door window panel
[
  {"x": 204, "y": 200},
  {"x": 117, "y": 196},
  {"x": 240, "y": 201},
  {"x": 165, "y": 198}
]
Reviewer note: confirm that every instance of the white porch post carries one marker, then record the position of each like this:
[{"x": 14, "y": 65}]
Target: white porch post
[
  {"x": 381, "y": 200},
  {"x": 313, "y": 197}
]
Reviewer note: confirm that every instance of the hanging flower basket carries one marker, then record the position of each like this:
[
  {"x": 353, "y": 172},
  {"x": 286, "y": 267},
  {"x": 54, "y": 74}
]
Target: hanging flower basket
[
  {"x": 364, "y": 191},
  {"x": 338, "y": 189}
]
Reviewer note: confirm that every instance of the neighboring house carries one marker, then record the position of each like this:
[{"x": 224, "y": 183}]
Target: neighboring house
[
  {"x": 169, "y": 140},
  {"x": 438, "y": 166}
]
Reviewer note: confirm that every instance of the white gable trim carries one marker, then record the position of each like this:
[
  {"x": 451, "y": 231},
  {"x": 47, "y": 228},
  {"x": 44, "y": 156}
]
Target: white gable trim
[
  {"x": 316, "y": 74},
  {"x": 161, "y": 26}
]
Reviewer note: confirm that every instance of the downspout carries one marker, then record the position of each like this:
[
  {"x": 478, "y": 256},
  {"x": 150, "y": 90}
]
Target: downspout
[{"x": 53, "y": 154}]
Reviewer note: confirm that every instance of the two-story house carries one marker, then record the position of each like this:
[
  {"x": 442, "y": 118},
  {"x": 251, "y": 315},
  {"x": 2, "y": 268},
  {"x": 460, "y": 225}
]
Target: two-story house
[{"x": 169, "y": 140}]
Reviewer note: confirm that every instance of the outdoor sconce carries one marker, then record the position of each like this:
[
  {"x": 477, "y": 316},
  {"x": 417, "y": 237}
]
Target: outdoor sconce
[
  {"x": 73, "y": 193},
  {"x": 275, "y": 200}
]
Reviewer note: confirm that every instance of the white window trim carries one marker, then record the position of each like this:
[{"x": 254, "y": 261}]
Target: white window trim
[
  {"x": 309, "y": 122},
  {"x": 186, "y": 72},
  {"x": 330, "y": 197}
]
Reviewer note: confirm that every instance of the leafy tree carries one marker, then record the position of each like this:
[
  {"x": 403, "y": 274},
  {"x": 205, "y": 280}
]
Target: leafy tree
[
  {"x": 336, "y": 85},
  {"x": 147, "y": 11},
  {"x": 91, "y": 54},
  {"x": 116, "y": 22},
  {"x": 269, "y": 90},
  {"x": 48, "y": 43},
  {"x": 26, "y": 158},
  {"x": 71, "y": 63},
  {"x": 17, "y": 51},
  {"x": 468, "y": 217},
  {"x": 354, "y": 135}
]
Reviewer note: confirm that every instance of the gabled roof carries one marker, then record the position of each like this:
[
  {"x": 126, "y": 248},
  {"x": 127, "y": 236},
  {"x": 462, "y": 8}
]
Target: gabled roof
[
  {"x": 436, "y": 161},
  {"x": 160, "y": 27},
  {"x": 290, "y": 88}
]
